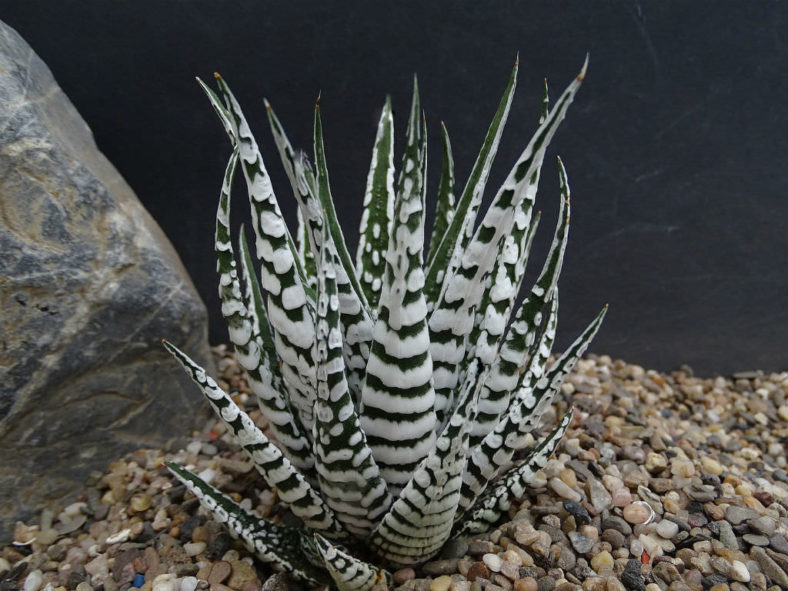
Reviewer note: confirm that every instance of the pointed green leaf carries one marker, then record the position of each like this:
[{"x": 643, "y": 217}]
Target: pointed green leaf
[
  {"x": 349, "y": 573},
  {"x": 293, "y": 488},
  {"x": 243, "y": 323},
  {"x": 497, "y": 500},
  {"x": 444, "y": 210},
  {"x": 460, "y": 230},
  {"x": 329, "y": 212},
  {"x": 356, "y": 318},
  {"x": 452, "y": 319},
  {"x": 277, "y": 545},
  {"x": 397, "y": 399},
  {"x": 221, "y": 111},
  {"x": 289, "y": 309},
  {"x": 349, "y": 478},
  {"x": 305, "y": 253},
  {"x": 378, "y": 210}
]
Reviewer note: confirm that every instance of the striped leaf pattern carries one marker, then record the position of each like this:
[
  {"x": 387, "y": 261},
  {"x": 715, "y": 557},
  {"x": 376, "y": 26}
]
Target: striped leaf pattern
[
  {"x": 378, "y": 211},
  {"x": 247, "y": 325},
  {"x": 496, "y": 501},
  {"x": 280, "y": 546},
  {"x": 400, "y": 394},
  {"x": 349, "y": 477},
  {"x": 397, "y": 400}
]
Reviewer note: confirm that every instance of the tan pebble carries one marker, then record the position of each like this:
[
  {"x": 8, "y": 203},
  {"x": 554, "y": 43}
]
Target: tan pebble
[
  {"x": 526, "y": 584},
  {"x": 403, "y": 574},
  {"x": 569, "y": 477},
  {"x": 711, "y": 466},
  {"x": 194, "y": 548},
  {"x": 203, "y": 573},
  {"x": 655, "y": 462},
  {"x": 140, "y": 502},
  {"x": 613, "y": 584},
  {"x": 243, "y": 573},
  {"x": 513, "y": 557},
  {"x": 754, "y": 503},
  {"x": 602, "y": 562},
  {"x": 440, "y": 583},
  {"x": 621, "y": 497},
  {"x": 637, "y": 513},
  {"x": 782, "y": 412},
  {"x": 720, "y": 587},
  {"x": 682, "y": 468},
  {"x": 220, "y": 572}
]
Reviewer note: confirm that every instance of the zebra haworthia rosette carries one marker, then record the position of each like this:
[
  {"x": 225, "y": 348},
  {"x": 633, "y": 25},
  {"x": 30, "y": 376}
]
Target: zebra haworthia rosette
[{"x": 400, "y": 394}]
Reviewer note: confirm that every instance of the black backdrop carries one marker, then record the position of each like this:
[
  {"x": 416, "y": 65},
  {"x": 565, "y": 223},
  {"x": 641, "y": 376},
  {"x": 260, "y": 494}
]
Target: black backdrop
[{"x": 676, "y": 146}]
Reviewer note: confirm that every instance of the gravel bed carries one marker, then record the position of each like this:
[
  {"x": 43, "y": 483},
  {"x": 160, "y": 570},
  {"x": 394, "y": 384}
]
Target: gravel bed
[{"x": 664, "y": 482}]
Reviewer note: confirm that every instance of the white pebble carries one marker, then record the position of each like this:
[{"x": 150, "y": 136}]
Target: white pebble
[
  {"x": 563, "y": 490},
  {"x": 188, "y": 583},
  {"x": 207, "y": 475},
  {"x": 194, "y": 447},
  {"x": 34, "y": 580},
  {"x": 667, "y": 529},
  {"x": 166, "y": 582},
  {"x": 493, "y": 562},
  {"x": 119, "y": 537},
  {"x": 740, "y": 572}
]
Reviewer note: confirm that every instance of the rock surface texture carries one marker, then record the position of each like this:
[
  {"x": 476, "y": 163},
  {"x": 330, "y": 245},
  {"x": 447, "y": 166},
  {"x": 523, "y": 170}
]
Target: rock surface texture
[{"x": 89, "y": 285}]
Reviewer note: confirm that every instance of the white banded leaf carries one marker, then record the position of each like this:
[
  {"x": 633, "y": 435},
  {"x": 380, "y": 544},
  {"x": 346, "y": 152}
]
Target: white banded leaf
[
  {"x": 489, "y": 508},
  {"x": 420, "y": 520},
  {"x": 349, "y": 573},
  {"x": 349, "y": 478},
  {"x": 460, "y": 230},
  {"x": 444, "y": 209},
  {"x": 452, "y": 319},
  {"x": 397, "y": 399},
  {"x": 494, "y": 454},
  {"x": 265, "y": 379},
  {"x": 289, "y": 309},
  {"x": 244, "y": 328},
  {"x": 510, "y": 357},
  {"x": 305, "y": 502},
  {"x": 378, "y": 210},
  {"x": 356, "y": 317},
  {"x": 280, "y": 546}
]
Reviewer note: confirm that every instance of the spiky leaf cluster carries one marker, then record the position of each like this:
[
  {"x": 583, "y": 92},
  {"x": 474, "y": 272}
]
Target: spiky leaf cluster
[{"x": 400, "y": 386}]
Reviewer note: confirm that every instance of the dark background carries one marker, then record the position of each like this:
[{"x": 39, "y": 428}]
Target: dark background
[{"x": 676, "y": 146}]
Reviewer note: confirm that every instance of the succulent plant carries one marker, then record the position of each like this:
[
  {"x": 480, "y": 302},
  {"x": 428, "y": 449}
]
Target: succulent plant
[{"x": 398, "y": 401}]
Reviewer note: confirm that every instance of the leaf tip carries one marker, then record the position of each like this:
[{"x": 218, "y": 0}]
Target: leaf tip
[
  {"x": 581, "y": 76},
  {"x": 217, "y": 75},
  {"x": 268, "y": 106}
]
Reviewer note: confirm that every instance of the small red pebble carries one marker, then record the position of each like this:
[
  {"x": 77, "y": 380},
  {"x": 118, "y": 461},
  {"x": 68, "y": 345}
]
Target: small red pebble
[
  {"x": 213, "y": 436},
  {"x": 644, "y": 558}
]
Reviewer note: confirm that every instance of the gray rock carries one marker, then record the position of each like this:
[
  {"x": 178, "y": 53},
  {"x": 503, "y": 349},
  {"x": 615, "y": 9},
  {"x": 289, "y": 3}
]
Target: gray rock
[
  {"x": 769, "y": 567},
  {"x": 736, "y": 515},
  {"x": 89, "y": 286},
  {"x": 727, "y": 537},
  {"x": 778, "y": 542},
  {"x": 580, "y": 543}
]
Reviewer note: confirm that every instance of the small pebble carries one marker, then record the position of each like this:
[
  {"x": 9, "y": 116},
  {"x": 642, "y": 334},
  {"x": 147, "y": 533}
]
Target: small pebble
[{"x": 636, "y": 513}]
